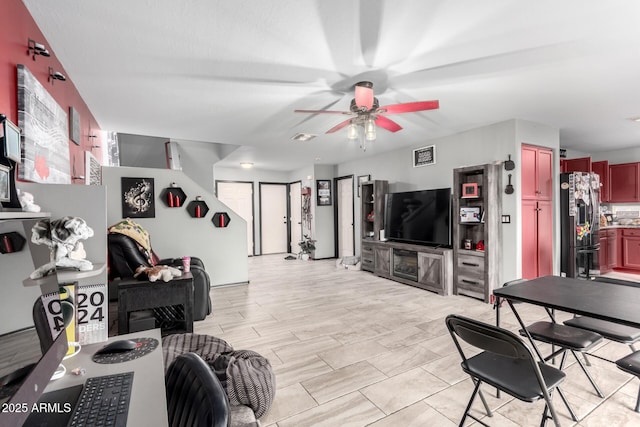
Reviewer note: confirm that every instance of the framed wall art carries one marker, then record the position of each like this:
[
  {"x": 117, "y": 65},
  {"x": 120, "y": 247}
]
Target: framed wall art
[
  {"x": 93, "y": 169},
  {"x": 74, "y": 126},
  {"x": 45, "y": 127},
  {"x": 138, "y": 198},
  {"x": 424, "y": 156},
  {"x": 5, "y": 184},
  {"x": 324, "y": 192},
  {"x": 470, "y": 190}
]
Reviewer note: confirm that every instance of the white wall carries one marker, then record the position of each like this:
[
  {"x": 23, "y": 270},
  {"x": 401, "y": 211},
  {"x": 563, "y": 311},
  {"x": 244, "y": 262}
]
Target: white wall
[
  {"x": 627, "y": 155},
  {"x": 256, "y": 176},
  {"x": 174, "y": 233},
  {"x": 87, "y": 202},
  {"x": 323, "y": 216},
  {"x": 488, "y": 144}
]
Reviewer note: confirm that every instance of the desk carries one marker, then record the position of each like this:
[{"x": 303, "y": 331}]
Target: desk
[
  {"x": 606, "y": 301},
  {"x": 135, "y": 295},
  {"x": 148, "y": 404}
]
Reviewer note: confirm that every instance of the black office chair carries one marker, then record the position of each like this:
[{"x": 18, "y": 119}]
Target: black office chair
[
  {"x": 195, "y": 396},
  {"x": 506, "y": 363},
  {"x": 612, "y": 331}
]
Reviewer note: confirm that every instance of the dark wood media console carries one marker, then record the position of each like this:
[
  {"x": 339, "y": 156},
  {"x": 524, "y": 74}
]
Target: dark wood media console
[{"x": 425, "y": 267}]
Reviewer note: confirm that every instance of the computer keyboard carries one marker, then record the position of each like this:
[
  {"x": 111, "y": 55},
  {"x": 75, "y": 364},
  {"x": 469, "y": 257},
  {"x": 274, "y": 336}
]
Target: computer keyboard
[{"x": 104, "y": 401}]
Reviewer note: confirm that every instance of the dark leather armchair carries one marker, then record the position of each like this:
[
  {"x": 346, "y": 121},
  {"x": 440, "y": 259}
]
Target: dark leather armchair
[{"x": 125, "y": 257}]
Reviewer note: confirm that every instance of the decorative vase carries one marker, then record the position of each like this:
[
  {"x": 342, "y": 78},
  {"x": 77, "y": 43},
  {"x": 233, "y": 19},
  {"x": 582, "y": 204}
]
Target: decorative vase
[{"x": 304, "y": 256}]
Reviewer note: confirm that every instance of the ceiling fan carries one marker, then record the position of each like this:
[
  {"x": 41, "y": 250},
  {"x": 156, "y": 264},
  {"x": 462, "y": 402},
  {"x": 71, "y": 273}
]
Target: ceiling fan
[{"x": 365, "y": 111}]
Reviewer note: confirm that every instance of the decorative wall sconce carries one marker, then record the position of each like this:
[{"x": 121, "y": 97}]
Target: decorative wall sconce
[
  {"x": 221, "y": 219},
  {"x": 198, "y": 208},
  {"x": 56, "y": 75},
  {"x": 92, "y": 139},
  {"x": 35, "y": 48}
]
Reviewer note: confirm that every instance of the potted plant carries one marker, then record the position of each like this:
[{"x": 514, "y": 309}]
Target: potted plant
[{"x": 306, "y": 246}]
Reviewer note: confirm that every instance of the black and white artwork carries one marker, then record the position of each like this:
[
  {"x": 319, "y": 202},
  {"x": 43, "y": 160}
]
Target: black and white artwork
[
  {"x": 138, "y": 198},
  {"x": 424, "y": 156},
  {"x": 93, "y": 170},
  {"x": 45, "y": 133}
]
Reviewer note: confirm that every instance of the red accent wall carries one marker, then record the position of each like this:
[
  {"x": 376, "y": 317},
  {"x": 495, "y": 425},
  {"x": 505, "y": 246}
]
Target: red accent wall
[{"x": 16, "y": 28}]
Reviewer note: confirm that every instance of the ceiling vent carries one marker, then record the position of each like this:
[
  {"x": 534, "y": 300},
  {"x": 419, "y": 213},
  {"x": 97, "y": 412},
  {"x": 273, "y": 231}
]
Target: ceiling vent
[{"x": 303, "y": 136}]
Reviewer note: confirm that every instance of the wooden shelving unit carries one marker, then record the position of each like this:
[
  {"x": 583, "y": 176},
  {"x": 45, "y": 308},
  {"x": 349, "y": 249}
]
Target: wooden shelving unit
[
  {"x": 372, "y": 195},
  {"x": 477, "y": 268}
]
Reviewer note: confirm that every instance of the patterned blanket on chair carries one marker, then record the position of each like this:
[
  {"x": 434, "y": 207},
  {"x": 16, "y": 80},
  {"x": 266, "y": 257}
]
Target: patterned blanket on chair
[{"x": 246, "y": 375}]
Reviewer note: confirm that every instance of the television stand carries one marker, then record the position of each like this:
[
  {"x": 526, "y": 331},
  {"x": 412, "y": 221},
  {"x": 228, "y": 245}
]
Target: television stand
[{"x": 425, "y": 267}]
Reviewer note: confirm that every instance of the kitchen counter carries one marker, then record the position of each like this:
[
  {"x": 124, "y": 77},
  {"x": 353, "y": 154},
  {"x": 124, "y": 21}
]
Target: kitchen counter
[{"x": 608, "y": 227}]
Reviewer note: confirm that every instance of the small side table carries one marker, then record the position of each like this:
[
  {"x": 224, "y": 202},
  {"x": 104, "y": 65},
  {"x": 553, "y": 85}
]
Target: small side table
[{"x": 135, "y": 295}]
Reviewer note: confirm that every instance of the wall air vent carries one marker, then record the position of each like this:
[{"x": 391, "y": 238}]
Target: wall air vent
[{"x": 303, "y": 136}]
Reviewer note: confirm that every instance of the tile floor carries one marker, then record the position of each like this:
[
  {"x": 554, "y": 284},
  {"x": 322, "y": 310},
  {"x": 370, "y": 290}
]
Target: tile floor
[{"x": 352, "y": 349}]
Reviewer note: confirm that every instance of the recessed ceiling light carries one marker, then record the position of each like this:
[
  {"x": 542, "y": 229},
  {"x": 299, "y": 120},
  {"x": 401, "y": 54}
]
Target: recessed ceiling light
[
  {"x": 303, "y": 136},
  {"x": 246, "y": 165},
  {"x": 635, "y": 119}
]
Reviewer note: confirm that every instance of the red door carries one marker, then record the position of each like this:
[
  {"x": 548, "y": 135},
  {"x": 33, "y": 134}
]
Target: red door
[
  {"x": 529, "y": 170},
  {"x": 544, "y": 175},
  {"x": 623, "y": 182},
  {"x": 529, "y": 239},
  {"x": 545, "y": 238}
]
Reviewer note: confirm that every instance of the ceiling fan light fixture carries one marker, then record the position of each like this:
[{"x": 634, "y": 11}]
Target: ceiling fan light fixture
[
  {"x": 370, "y": 129},
  {"x": 352, "y": 131}
]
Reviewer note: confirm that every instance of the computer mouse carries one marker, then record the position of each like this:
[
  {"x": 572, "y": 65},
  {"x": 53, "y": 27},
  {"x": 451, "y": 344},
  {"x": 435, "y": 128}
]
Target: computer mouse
[{"x": 119, "y": 346}]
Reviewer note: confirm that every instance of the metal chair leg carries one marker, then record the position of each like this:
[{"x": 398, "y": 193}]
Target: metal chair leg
[
  {"x": 574, "y": 417},
  {"x": 586, "y": 372},
  {"x": 638, "y": 402},
  {"x": 484, "y": 402}
]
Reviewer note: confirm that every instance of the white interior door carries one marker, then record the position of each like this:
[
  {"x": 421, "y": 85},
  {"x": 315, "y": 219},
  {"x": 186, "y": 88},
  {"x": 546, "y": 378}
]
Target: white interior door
[
  {"x": 273, "y": 218},
  {"x": 345, "y": 217},
  {"x": 239, "y": 197},
  {"x": 295, "y": 216}
]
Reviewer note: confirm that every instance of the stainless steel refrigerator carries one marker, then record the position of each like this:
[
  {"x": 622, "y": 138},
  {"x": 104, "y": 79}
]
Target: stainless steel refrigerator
[{"x": 579, "y": 224}]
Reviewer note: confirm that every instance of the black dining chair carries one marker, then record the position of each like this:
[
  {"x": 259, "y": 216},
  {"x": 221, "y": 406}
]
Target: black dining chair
[
  {"x": 195, "y": 396},
  {"x": 567, "y": 339},
  {"x": 505, "y": 363},
  {"x": 631, "y": 365},
  {"x": 611, "y": 331}
]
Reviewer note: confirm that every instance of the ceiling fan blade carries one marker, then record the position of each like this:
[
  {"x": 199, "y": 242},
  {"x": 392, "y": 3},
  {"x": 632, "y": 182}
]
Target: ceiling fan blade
[
  {"x": 364, "y": 96},
  {"x": 323, "y": 112},
  {"x": 339, "y": 126},
  {"x": 408, "y": 107},
  {"x": 387, "y": 124}
]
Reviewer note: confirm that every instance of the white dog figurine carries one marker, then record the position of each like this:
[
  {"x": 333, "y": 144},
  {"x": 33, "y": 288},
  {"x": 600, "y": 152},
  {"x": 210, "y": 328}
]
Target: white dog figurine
[
  {"x": 27, "y": 201},
  {"x": 64, "y": 238}
]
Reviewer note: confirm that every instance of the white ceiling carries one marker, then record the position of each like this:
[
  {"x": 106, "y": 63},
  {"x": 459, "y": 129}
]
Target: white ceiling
[{"x": 233, "y": 71}]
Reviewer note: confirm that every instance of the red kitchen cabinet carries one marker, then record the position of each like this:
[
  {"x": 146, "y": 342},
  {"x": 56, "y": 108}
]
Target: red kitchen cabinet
[
  {"x": 537, "y": 217},
  {"x": 529, "y": 239},
  {"x": 612, "y": 249},
  {"x": 624, "y": 183},
  {"x": 631, "y": 249},
  {"x": 602, "y": 169},
  {"x": 602, "y": 253},
  {"x": 608, "y": 254},
  {"x": 537, "y": 173},
  {"x": 582, "y": 164}
]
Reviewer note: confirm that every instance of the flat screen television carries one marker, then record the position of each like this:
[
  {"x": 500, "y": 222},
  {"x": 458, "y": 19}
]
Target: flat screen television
[{"x": 421, "y": 217}]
